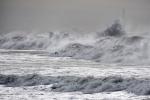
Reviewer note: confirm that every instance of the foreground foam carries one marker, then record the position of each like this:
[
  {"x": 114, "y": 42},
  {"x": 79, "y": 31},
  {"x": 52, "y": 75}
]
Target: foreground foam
[{"x": 84, "y": 84}]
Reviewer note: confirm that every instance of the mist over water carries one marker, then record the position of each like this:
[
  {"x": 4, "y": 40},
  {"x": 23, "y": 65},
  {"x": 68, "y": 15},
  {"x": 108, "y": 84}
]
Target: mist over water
[
  {"x": 91, "y": 55},
  {"x": 112, "y": 45},
  {"x": 86, "y": 15}
]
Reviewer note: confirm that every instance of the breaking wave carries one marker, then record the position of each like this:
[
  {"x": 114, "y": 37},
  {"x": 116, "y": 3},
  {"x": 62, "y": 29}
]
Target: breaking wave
[
  {"x": 113, "y": 45},
  {"x": 83, "y": 84}
]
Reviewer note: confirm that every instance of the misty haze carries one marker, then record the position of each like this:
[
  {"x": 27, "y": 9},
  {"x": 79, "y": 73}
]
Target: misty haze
[{"x": 74, "y": 50}]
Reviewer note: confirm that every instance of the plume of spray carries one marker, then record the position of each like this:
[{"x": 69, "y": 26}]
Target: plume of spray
[{"x": 113, "y": 45}]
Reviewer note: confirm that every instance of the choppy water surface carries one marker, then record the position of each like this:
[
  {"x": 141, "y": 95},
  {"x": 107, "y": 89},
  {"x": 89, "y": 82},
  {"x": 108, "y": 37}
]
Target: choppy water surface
[
  {"x": 33, "y": 74},
  {"x": 107, "y": 65},
  {"x": 113, "y": 45}
]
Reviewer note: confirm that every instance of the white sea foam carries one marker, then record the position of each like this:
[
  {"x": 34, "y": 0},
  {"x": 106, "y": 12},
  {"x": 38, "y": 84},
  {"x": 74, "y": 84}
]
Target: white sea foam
[{"x": 112, "y": 45}]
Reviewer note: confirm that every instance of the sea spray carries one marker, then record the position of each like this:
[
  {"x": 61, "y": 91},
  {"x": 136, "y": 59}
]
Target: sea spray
[{"x": 112, "y": 45}]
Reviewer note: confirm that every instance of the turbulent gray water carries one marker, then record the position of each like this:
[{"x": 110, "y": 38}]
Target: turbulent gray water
[
  {"x": 84, "y": 84},
  {"x": 63, "y": 62},
  {"x": 25, "y": 73},
  {"x": 113, "y": 45}
]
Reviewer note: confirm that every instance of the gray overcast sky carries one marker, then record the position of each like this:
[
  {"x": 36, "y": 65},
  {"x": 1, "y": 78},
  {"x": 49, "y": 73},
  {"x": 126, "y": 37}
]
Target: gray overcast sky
[{"x": 86, "y": 15}]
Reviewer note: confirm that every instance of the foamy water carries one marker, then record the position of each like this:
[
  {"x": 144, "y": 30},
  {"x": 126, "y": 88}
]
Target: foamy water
[
  {"x": 32, "y": 74},
  {"x": 113, "y": 45}
]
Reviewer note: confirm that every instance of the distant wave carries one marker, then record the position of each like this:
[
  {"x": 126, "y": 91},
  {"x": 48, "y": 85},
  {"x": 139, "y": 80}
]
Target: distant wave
[{"x": 112, "y": 45}]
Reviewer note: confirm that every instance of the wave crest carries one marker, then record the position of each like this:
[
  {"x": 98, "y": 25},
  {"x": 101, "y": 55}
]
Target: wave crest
[{"x": 113, "y": 45}]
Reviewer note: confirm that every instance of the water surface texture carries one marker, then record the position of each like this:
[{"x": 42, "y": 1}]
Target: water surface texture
[{"x": 34, "y": 75}]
